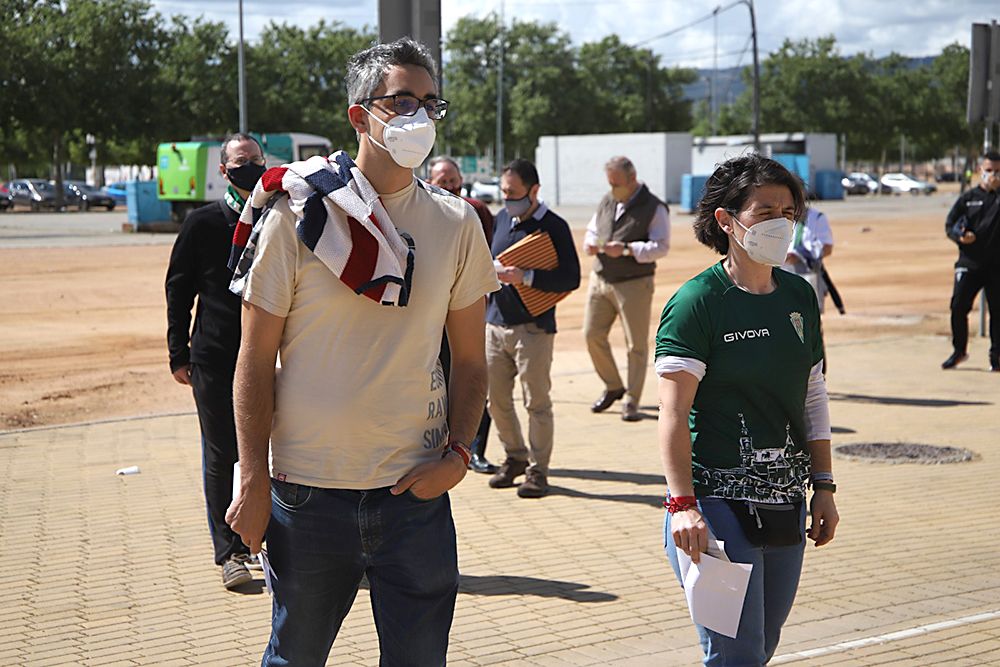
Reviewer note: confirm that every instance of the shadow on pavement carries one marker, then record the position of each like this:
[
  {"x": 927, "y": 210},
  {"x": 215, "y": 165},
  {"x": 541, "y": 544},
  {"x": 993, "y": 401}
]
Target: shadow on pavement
[
  {"x": 635, "y": 498},
  {"x": 608, "y": 476},
  {"x": 255, "y": 587},
  {"x": 503, "y": 584},
  {"x": 893, "y": 400}
]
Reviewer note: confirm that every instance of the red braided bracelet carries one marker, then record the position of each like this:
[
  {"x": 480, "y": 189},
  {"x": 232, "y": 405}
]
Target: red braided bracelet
[
  {"x": 680, "y": 503},
  {"x": 460, "y": 449}
]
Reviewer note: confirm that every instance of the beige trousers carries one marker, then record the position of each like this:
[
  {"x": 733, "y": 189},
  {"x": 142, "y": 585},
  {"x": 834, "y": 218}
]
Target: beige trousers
[
  {"x": 523, "y": 351},
  {"x": 631, "y": 300}
]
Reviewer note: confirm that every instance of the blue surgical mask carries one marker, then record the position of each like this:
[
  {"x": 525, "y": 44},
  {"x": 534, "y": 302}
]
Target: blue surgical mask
[{"x": 517, "y": 207}]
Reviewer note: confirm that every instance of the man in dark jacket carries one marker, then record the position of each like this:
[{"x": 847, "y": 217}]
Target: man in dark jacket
[
  {"x": 627, "y": 234},
  {"x": 519, "y": 344},
  {"x": 206, "y": 358},
  {"x": 446, "y": 174},
  {"x": 974, "y": 224}
]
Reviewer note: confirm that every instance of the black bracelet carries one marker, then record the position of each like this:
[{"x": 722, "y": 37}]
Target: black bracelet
[{"x": 824, "y": 486}]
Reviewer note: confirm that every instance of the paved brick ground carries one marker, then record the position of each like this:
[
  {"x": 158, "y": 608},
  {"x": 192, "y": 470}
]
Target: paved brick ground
[{"x": 106, "y": 570}]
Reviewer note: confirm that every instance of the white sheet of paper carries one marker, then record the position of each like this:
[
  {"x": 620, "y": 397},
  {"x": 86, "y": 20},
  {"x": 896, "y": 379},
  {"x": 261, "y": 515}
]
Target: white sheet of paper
[
  {"x": 716, "y": 548},
  {"x": 715, "y": 590},
  {"x": 265, "y": 565}
]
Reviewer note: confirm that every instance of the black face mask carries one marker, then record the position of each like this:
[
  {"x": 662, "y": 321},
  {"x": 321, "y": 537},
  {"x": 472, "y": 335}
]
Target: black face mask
[{"x": 246, "y": 176}]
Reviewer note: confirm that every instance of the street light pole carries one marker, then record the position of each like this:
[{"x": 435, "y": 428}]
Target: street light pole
[
  {"x": 499, "y": 145},
  {"x": 242, "y": 77},
  {"x": 756, "y": 76}
]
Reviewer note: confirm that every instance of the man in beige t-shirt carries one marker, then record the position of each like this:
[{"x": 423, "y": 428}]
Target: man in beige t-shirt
[{"x": 364, "y": 443}]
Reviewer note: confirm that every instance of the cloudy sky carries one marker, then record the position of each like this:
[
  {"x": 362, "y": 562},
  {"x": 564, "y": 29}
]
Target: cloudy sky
[{"x": 913, "y": 28}]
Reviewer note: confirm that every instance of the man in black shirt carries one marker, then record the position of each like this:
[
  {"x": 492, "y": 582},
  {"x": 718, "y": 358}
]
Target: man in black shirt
[
  {"x": 206, "y": 358},
  {"x": 973, "y": 224}
]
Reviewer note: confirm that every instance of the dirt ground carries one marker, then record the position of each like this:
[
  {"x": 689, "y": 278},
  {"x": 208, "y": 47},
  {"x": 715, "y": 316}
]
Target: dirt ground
[{"x": 82, "y": 330}]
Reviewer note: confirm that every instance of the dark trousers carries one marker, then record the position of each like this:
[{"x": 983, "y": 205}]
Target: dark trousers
[
  {"x": 322, "y": 542},
  {"x": 213, "y": 394},
  {"x": 968, "y": 282}
]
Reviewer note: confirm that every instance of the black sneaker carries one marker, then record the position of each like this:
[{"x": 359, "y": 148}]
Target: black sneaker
[
  {"x": 235, "y": 572},
  {"x": 995, "y": 364},
  {"x": 954, "y": 360}
]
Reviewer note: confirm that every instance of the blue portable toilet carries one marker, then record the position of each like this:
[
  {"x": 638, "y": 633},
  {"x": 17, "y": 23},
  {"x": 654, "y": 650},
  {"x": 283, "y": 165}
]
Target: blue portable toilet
[
  {"x": 829, "y": 185},
  {"x": 797, "y": 163},
  {"x": 692, "y": 189},
  {"x": 143, "y": 204}
]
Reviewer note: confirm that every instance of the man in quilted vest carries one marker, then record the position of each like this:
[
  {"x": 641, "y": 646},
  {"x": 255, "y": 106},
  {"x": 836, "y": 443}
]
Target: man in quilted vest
[{"x": 627, "y": 234}]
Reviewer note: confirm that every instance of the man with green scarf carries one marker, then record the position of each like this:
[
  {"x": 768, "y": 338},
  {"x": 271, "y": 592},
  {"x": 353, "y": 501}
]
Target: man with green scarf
[{"x": 205, "y": 360}]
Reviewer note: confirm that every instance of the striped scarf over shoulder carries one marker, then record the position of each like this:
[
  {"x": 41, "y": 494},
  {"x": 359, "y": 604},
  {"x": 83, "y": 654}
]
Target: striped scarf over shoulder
[{"x": 340, "y": 218}]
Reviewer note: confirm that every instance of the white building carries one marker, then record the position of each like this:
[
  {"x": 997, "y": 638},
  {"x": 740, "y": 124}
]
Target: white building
[{"x": 571, "y": 168}]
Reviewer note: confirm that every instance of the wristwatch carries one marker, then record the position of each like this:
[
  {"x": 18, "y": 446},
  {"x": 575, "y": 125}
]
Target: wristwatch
[
  {"x": 824, "y": 486},
  {"x": 626, "y": 251}
]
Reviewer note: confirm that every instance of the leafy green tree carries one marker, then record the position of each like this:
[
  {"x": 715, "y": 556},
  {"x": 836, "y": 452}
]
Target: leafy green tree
[
  {"x": 470, "y": 84},
  {"x": 550, "y": 87},
  {"x": 628, "y": 91},
  {"x": 295, "y": 80},
  {"x": 197, "y": 88}
]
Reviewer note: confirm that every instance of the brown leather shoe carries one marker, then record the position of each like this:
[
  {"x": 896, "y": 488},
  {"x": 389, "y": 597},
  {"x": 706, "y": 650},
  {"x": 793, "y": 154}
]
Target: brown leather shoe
[
  {"x": 510, "y": 469},
  {"x": 535, "y": 485},
  {"x": 630, "y": 413},
  {"x": 606, "y": 399}
]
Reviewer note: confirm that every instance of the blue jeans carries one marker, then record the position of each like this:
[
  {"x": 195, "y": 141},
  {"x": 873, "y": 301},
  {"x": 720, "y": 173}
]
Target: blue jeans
[
  {"x": 321, "y": 542},
  {"x": 773, "y": 583}
]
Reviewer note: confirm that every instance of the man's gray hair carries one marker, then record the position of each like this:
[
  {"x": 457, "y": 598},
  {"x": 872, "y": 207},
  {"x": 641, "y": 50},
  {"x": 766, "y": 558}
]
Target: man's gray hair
[
  {"x": 367, "y": 69},
  {"x": 622, "y": 164},
  {"x": 438, "y": 159},
  {"x": 236, "y": 136}
]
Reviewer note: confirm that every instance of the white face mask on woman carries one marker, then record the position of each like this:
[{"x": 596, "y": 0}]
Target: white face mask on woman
[
  {"x": 408, "y": 139},
  {"x": 767, "y": 241}
]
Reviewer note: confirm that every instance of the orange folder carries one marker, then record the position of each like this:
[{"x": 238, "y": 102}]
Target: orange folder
[{"x": 534, "y": 251}]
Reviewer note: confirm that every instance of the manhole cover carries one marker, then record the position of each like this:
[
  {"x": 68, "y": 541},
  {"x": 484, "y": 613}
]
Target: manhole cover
[{"x": 903, "y": 452}]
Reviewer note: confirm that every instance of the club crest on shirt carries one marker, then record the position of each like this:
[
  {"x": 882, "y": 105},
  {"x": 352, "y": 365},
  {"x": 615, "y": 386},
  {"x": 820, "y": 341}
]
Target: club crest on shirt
[{"x": 797, "y": 323}]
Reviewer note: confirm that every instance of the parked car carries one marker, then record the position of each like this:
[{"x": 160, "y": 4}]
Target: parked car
[
  {"x": 4, "y": 197},
  {"x": 859, "y": 183},
  {"x": 33, "y": 193},
  {"x": 85, "y": 197},
  {"x": 116, "y": 191},
  {"x": 947, "y": 177},
  {"x": 897, "y": 183},
  {"x": 486, "y": 191}
]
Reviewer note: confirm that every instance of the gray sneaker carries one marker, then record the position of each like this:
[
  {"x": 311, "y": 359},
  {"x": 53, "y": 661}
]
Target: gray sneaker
[
  {"x": 235, "y": 572},
  {"x": 535, "y": 485},
  {"x": 250, "y": 560}
]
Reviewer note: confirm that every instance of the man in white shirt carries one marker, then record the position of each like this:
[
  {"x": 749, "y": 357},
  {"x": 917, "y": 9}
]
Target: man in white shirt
[
  {"x": 811, "y": 244},
  {"x": 626, "y": 235}
]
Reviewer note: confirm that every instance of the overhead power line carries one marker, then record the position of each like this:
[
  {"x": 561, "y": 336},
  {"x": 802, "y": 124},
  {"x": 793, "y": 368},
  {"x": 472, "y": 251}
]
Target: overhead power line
[{"x": 706, "y": 17}]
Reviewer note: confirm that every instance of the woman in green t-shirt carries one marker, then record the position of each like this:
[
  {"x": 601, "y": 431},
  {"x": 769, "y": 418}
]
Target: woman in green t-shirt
[{"x": 744, "y": 421}]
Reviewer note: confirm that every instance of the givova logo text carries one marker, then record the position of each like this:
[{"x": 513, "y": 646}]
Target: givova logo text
[{"x": 733, "y": 336}]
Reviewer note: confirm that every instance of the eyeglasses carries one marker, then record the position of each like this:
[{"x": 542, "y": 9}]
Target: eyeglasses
[
  {"x": 408, "y": 105},
  {"x": 242, "y": 161}
]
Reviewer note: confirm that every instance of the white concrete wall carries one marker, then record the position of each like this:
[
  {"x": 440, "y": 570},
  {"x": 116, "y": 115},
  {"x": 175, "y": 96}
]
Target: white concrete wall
[
  {"x": 822, "y": 151},
  {"x": 571, "y": 168}
]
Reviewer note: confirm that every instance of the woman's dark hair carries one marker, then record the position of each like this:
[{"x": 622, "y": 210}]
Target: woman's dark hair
[{"x": 730, "y": 187}]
